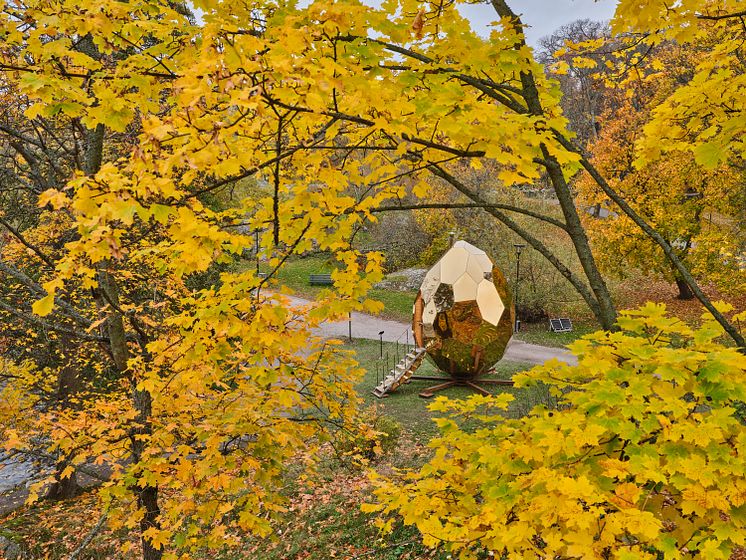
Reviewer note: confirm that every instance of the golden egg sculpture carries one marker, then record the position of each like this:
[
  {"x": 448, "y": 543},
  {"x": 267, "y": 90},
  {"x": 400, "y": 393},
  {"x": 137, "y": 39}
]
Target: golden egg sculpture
[{"x": 463, "y": 314}]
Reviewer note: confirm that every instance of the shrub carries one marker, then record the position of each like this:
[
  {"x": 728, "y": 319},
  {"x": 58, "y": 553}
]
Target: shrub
[
  {"x": 643, "y": 459},
  {"x": 399, "y": 237},
  {"x": 377, "y": 435}
]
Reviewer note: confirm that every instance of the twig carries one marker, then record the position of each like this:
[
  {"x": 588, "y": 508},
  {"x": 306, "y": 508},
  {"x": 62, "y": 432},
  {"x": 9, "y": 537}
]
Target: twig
[
  {"x": 721, "y": 16},
  {"x": 89, "y": 536},
  {"x": 455, "y": 205},
  {"x": 368, "y": 553}
]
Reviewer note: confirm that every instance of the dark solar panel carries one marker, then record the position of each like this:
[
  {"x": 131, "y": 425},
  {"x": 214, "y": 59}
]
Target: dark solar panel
[{"x": 560, "y": 325}]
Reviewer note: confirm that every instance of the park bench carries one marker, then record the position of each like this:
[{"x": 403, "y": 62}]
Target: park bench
[{"x": 320, "y": 280}]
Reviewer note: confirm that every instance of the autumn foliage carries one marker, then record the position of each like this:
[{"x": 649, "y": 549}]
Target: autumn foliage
[
  {"x": 693, "y": 205},
  {"x": 643, "y": 455},
  {"x": 154, "y": 147}
]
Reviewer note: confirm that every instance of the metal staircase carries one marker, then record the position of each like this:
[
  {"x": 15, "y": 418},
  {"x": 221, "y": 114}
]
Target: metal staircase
[{"x": 401, "y": 372}]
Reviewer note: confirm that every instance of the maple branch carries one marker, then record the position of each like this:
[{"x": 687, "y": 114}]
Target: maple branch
[
  {"x": 607, "y": 314},
  {"x": 318, "y": 137},
  {"x": 581, "y": 288},
  {"x": 51, "y": 132},
  {"x": 37, "y": 289},
  {"x": 272, "y": 161},
  {"x": 36, "y": 320},
  {"x": 33, "y": 165},
  {"x": 86, "y": 76},
  {"x": 721, "y": 16},
  {"x": 276, "y": 180},
  {"x": 284, "y": 258},
  {"x": 89, "y": 537},
  {"x": 20, "y": 136},
  {"x": 444, "y": 148},
  {"x": 367, "y": 122},
  {"x": 142, "y": 337},
  {"x": 655, "y": 236},
  {"x": 454, "y": 205},
  {"x": 26, "y": 243},
  {"x": 492, "y": 89},
  {"x": 158, "y": 61}
]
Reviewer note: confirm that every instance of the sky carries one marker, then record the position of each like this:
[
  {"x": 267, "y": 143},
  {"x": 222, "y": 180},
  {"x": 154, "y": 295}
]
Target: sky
[{"x": 542, "y": 16}]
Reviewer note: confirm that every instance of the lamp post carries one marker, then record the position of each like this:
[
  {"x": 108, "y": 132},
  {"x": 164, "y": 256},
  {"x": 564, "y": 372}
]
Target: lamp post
[
  {"x": 256, "y": 250},
  {"x": 518, "y": 248},
  {"x": 380, "y": 340}
]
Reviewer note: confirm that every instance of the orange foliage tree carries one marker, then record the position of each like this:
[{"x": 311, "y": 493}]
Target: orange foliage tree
[{"x": 693, "y": 207}]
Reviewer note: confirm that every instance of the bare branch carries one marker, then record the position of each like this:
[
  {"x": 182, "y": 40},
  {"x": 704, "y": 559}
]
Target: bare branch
[
  {"x": 722, "y": 16},
  {"x": 36, "y": 320},
  {"x": 453, "y": 205},
  {"x": 37, "y": 289},
  {"x": 581, "y": 288},
  {"x": 18, "y": 235},
  {"x": 89, "y": 537}
]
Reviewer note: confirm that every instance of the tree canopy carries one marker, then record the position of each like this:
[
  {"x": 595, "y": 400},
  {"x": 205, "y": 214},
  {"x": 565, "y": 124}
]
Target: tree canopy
[{"x": 134, "y": 114}]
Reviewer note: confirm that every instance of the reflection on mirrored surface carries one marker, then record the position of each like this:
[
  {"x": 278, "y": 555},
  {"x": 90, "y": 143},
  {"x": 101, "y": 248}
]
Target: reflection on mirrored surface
[{"x": 464, "y": 313}]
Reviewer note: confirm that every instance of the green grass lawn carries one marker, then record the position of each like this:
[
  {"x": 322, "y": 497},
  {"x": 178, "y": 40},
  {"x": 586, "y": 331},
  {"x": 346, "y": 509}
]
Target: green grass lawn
[
  {"x": 296, "y": 272},
  {"x": 396, "y": 305},
  {"x": 409, "y": 409},
  {"x": 539, "y": 333}
]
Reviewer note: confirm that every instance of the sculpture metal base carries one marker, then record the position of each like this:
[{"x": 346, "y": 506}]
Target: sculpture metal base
[{"x": 455, "y": 382}]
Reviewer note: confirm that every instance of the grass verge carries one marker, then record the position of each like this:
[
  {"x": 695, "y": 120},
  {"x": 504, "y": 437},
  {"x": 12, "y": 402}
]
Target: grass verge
[
  {"x": 539, "y": 333},
  {"x": 295, "y": 274}
]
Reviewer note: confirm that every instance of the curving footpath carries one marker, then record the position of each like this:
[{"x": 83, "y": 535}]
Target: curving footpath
[{"x": 368, "y": 326}]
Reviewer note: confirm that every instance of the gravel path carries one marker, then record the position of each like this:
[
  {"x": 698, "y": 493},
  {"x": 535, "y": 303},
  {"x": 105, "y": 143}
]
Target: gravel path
[{"x": 368, "y": 326}]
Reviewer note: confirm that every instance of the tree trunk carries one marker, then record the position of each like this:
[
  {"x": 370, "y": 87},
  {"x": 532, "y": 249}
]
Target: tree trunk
[
  {"x": 68, "y": 384},
  {"x": 148, "y": 500},
  {"x": 108, "y": 292},
  {"x": 685, "y": 292},
  {"x": 530, "y": 94},
  {"x": 580, "y": 241},
  {"x": 63, "y": 488},
  {"x": 94, "y": 150},
  {"x": 147, "y": 495}
]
